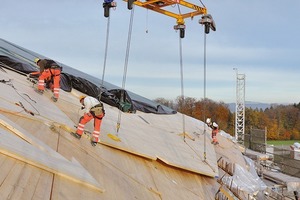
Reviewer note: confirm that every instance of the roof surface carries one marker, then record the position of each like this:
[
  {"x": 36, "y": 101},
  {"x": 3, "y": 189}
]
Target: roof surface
[{"x": 148, "y": 158}]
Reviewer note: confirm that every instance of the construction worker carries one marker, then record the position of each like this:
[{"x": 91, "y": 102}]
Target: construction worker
[
  {"x": 50, "y": 71},
  {"x": 93, "y": 110},
  {"x": 214, "y": 132},
  {"x": 209, "y": 122}
]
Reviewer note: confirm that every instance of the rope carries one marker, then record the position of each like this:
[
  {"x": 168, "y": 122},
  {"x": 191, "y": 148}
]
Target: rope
[
  {"x": 105, "y": 56},
  {"x": 202, "y": 3},
  {"x": 181, "y": 79},
  {"x": 204, "y": 94},
  {"x": 11, "y": 85},
  {"x": 125, "y": 68},
  {"x": 182, "y": 88},
  {"x": 147, "y": 21}
]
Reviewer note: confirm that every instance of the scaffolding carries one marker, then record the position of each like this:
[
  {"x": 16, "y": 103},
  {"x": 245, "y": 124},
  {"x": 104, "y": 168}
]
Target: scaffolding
[{"x": 240, "y": 107}]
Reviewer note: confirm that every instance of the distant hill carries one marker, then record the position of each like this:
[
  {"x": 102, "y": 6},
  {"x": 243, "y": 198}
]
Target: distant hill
[{"x": 250, "y": 104}]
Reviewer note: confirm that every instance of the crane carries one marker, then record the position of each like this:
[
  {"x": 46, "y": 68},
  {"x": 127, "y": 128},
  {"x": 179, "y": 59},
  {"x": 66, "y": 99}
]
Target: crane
[{"x": 163, "y": 7}]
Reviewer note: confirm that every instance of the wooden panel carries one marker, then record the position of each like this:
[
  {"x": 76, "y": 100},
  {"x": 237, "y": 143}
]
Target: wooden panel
[
  {"x": 183, "y": 182},
  {"x": 123, "y": 175},
  {"x": 5, "y": 169},
  {"x": 17, "y": 148},
  {"x": 161, "y": 143},
  {"x": 136, "y": 129},
  {"x": 227, "y": 148},
  {"x": 23, "y": 92},
  {"x": 134, "y": 173},
  {"x": 43, "y": 188},
  {"x": 22, "y": 181},
  {"x": 19, "y": 131}
]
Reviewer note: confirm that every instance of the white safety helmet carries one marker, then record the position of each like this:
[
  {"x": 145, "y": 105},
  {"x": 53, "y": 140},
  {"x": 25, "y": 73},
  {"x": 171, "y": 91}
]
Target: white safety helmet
[
  {"x": 208, "y": 120},
  {"x": 215, "y": 125}
]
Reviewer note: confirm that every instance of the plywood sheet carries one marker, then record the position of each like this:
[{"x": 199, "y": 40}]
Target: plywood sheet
[
  {"x": 26, "y": 136},
  {"x": 163, "y": 142},
  {"x": 17, "y": 148},
  {"x": 227, "y": 148},
  {"x": 19, "y": 90},
  {"x": 22, "y": 181},
  {"x": 148, "y": 135},
  {"x": 153, "y": 137}
]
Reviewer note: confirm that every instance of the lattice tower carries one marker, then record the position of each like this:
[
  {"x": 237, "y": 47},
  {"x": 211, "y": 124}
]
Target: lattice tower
[{"x": 240, "y": 108}]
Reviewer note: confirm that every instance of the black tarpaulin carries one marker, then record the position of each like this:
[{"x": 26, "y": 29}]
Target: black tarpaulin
[
  {"x": 16, "y": 64},
  {"x": 21, "y": 60}
]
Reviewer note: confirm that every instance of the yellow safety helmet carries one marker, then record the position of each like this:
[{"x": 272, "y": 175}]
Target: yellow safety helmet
[
  {"x": 36, "y": 60},
  {"x": 81, "y": 97}
]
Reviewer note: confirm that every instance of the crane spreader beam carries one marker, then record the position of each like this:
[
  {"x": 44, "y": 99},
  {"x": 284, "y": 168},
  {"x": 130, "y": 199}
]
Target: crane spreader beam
[{"x": 161, "y": 5}]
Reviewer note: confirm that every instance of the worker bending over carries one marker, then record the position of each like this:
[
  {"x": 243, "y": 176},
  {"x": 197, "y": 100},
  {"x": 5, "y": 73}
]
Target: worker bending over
[
  {"x": 93, "y": 110},
  {"x": 215, "y": 130},
  {"x": 49, "y": 71}
]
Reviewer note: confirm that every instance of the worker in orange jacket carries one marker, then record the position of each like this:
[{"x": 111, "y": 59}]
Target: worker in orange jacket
[
  {"x": 93, "y": 110},
  {"x": 50, "y": 71}
]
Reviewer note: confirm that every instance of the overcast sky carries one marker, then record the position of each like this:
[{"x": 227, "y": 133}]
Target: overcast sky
[{"x": 259, "y": 38}]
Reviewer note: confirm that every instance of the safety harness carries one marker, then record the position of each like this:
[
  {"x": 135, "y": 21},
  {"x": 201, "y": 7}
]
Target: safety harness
[
  {"x": 50, "y": 64},
  {"x": 98, "y": 110}
]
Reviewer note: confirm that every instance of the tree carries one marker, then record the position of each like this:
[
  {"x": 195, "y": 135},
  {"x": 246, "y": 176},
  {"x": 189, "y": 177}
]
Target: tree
[
  {"x": 165, "y": 102},
  {"x": 281, "y": 121}
]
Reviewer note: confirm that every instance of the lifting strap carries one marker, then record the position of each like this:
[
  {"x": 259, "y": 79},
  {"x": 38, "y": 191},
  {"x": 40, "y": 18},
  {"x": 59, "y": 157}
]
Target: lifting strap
[
  {"x": 204, "y": 97},
  {"x": 106, "y": 5},
  {"x": 125, "y": 68},
  {"x": 182, "y": 88},
  {"x": 208, "y": 23},
  {"x": 105, "y": 57}
]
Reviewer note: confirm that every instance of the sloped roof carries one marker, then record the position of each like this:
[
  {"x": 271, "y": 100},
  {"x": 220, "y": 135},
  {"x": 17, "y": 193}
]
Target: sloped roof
[{"x": 39, "y": 159}]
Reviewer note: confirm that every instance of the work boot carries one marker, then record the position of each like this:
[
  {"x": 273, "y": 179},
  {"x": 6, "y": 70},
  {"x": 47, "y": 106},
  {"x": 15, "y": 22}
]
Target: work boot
[
  {"x": 76, "y": 135},
  {"x": 39, "y": 91},
  {"x": 54, "y": 98},
  {"x": 94, "y": 142}
]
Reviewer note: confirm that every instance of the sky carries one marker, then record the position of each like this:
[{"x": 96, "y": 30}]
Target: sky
[{"x": 259, "y": 38}]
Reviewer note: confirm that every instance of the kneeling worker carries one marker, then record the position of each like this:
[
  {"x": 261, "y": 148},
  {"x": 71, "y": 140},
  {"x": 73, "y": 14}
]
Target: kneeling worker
[
  {"x": 50, "y": 71},
  {"x": 93, "y": 110}
]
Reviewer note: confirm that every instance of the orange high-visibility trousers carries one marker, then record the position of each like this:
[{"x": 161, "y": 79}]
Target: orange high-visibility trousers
[
  {"x": 47, "y": 74},
  {"x": 97, "y": 125},
  {"x": 214, "y": 135}
]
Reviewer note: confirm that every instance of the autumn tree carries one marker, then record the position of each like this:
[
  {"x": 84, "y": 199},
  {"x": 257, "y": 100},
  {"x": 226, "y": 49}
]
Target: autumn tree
[{"x": 282, "y": 121}]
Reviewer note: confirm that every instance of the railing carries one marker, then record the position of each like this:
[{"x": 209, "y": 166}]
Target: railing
[
  {"x": 283, "y": 156},
  {"x": 285, "y": 161}
]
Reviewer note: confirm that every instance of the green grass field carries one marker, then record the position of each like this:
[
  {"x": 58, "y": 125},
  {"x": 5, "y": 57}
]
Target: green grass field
[{"x": 281, "y": 142}]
